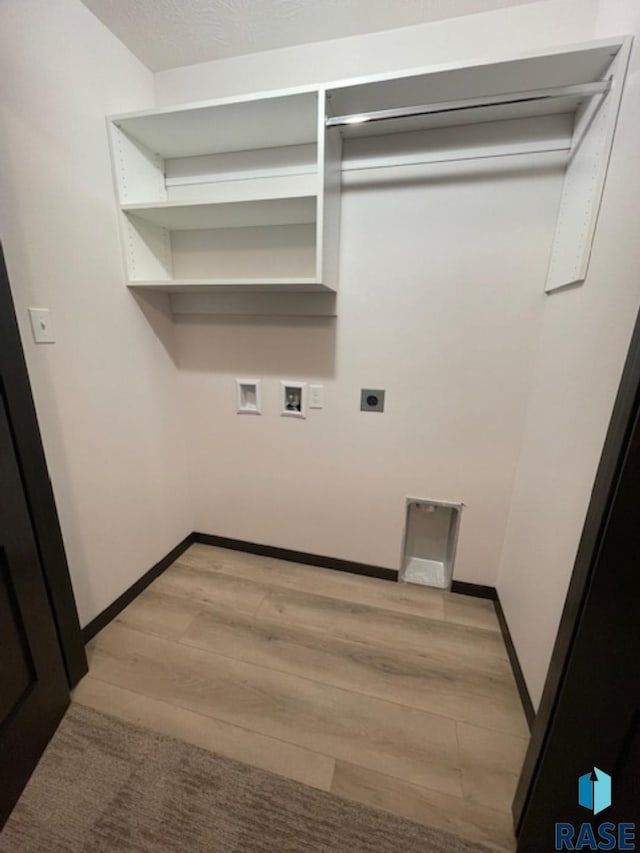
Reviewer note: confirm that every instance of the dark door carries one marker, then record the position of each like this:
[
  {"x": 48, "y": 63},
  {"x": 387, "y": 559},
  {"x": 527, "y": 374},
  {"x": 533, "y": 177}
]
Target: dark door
[
  {"x": 34, "y": 691},
  {"x": 590, "y": 713}
]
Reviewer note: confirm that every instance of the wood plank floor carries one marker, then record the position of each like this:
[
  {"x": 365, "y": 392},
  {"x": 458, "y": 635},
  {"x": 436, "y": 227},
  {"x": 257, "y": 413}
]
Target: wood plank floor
[{"x": 397, "y": 696}]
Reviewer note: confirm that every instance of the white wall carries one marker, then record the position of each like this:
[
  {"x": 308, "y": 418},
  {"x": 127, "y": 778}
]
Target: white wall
[
  {"x": 585, "y": 336},
  {"x": 105, "y": 392},
  {"x": 447, "y": 325},
  {"x": 433, "y": 309}
]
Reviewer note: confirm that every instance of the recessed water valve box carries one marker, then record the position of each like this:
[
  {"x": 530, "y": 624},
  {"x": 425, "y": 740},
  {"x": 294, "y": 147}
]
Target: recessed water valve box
[
  {"x": 294, "y": 399},
  {"x": 249, "y": 397},
  {"x": 372, "y": 400}
]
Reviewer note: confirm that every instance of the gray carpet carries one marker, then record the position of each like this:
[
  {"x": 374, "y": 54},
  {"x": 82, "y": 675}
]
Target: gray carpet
[{"x": 104, "y": 785}]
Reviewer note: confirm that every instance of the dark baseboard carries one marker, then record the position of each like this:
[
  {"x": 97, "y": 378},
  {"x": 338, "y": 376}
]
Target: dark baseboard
[
  {"x": 297, "y": 556},
  {"x": 521, "y": 684},
  {"x": 476, "y": 590},
  {"x": 116, "y": 607},
  {"x": 491, "y": 593}
]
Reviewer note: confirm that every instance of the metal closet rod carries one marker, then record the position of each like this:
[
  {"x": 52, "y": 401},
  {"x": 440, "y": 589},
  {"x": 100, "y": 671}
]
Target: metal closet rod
[{"x": 584, "y": 90}]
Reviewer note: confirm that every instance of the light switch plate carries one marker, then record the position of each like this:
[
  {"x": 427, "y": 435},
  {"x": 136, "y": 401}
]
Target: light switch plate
[
  {"x": 316, "y": 396},
  {"x": 41, "y": 326}
]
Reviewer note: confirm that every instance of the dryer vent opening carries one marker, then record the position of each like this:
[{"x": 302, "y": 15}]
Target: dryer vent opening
[{"x": 431, "y": 536}]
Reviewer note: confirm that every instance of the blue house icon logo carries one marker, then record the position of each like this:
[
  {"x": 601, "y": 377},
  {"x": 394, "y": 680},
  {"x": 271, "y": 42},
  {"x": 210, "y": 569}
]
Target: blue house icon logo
[{"x": 594, "y": 791}]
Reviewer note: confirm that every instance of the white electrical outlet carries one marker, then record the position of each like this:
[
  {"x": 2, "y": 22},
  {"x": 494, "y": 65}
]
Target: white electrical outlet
[
  {"x": 316, "y": 396},
  {"x": 41, "y": 326}
]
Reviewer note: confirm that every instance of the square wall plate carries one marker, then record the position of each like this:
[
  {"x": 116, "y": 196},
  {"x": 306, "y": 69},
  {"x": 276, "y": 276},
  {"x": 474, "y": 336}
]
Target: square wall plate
[
  {"x": 372, "y": 400},
  {"x": 294, "y": 399},
  {"x": 249, "y": 397}
]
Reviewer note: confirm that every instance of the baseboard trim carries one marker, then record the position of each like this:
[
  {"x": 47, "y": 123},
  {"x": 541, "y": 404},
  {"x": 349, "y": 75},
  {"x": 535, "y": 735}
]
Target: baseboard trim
[
  {"x": 297, "y": 556},
  {"x": 117, "y": 606},
  {"x": 491, "y": 594},
  {"x": 476, "y": 590},
  {"x": 521, "y": 684}
]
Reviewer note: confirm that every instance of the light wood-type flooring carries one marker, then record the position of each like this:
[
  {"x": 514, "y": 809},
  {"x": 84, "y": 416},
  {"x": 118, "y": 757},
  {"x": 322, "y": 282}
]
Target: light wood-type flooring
[{"x": 397, "y": 696}]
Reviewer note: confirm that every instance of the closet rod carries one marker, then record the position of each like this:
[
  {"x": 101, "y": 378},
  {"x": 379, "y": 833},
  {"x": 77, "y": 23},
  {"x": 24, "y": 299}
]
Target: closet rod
[{"x": 580, "y": 90}]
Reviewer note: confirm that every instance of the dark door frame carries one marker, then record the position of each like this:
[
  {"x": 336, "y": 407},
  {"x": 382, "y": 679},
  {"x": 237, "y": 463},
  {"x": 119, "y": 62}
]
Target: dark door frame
[
  {"x": 37, "y": 486},
  {"x": 540, "y": 774}
]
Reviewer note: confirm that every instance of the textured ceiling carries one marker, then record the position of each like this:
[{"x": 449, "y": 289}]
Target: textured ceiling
[{"x": 169, "y": 33}]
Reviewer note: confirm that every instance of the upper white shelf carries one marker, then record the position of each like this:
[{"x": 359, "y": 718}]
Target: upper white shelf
[
  {"x": 570, "y": 66},
  {"x": 223, "y": 126}
]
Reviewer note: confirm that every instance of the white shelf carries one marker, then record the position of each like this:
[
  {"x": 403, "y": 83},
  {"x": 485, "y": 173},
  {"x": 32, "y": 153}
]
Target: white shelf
[
  {"x": 228, "y": 195},
  {"x": 567, "y": 67},
  {"x": 225, "y": 125},
  {"x": 243, "y": 194},
  {"x": 188, "y": 216},
  {"x": 266, "y": 285}
]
